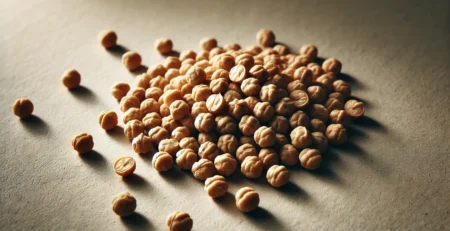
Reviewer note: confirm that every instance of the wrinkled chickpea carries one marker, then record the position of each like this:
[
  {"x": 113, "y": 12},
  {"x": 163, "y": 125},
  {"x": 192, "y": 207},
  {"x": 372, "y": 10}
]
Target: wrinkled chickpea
[
  {"x": 280, "y": 141},
  {"x": 125, "y": 166},
  {"x": 316, "y": 94},
  {"x": 157, "y": 134},
  {"x": 203, "y": 169},
  {"x": 216, "y": 186},
  {"x": 139, "y": 92},
  {"x": 310, "y": 158},
  {"x": 216, "y": 104},
  {"x": 238, "y": 108},
  {"x": 278, "y": 175},
  {"x": 228, "y": 144},
  {"x": 189, "y": 54},
  {"x": 342, "y": 87},
  {"x": 299, "y": 118},
  {"x": 164, "y": 45},
  {"x": 181, "y": 132},
  {"x": 179, "y": 109},
  {"x": 179, "y": 221},
  {"x": 142, "y": 144},
  {"x": 339, "y": 117},
  {"x": 231, "y": 95},
  {"x": 269, "y": 93},
  {"x": 319, "y": 142},
  {"x": 131, "y": 60},
  {"x": 119, "y": 90},
  {"x": 71, "y": 79},
  {"x": 296, "y": 85},
  {"x": 300, "y": 98},
  {"x": 285, "y": 107},
  {"x": 107, "y": 39},
  {"x": 162, "y": 161},
  {"x": 153, "y": 93},
  {"x": 172, "y": 63},
  {"x": 316, "y": 71},
  {"x": 265, "y": 37},
  {"x": 225, "y": 164},
  {"x": 82, "y": 143},
  {"x": 318, "y": 111},
  {"x": 159, "y": 82},
  {"x": 238, "y": 73},
  {"x": 252, "y": 101},
  {"x": 251, "y": 87},
  {"x": 281, "y": 81},
  {"x": 188, "y": 122},
  {"x": 143, "y": 80},
  {"x": 247, "y": 199},
  {"x": 244, "y": 151},
  {"x": 203, "y": 55},
  {"x": 247, "y": 140},
  {"x": 108, "y": 120},
  {"x": 264, "y": 112},
  {"x": 195, "y": 75},
  {"x": 186, "y": 158},
  {"x": 289, "y": 155},
  {"x": 133, "y": 128},
  {"x": 304, "y": 75},
  {"x": 149, "y": 105},
  {"x": 269, "y": 157},
  {"x": 248, "y": 125},
  {"x": 132, "y": 114},
  {"x": 232, "y": 46},
  {"x": 225, "y": 125},
  {"x": 300, "y": 137},
  {"x": 224, "y": 61},
  {"x": 152, "y": 120},
  {"x": 221, "y": 74},
  {"x": 201, "y": 92},
  {"x": 170, "y": 146},
  {"x": 252, "y": 167},
  {"x": 245, "y": 60},
  {"x": 317, "y": 125},
  {"x": 332, "y": 65},
  {"x": 219, "y": 85},
  {"x": 198, "y": 108},
  {"x": 208, "y": 43},
  {"x": 264, "y": 137},
  {"x": 280, "y": 124},
  {"x": 156, "y": 70},
  {"x": 185, "y": 68},
  {"x": 208, "y": 150},
  {"x": 205, "y": 122},
  {"x": 23, "y": 108},
  {"x": 128, "y": 102},
  {"x": 309, "y": 50},
  {"x": 172, "y": 96},
  {"x": 210, "y": 136},
  {"x": 354, "y": 109},
  {"x": 333, "y": 104},
  {"x": 260, "y": 73},
  {"x": 124, "y": 204},
  {"x": 336, "y": 134},
  {"x": 189, "y": 143}
]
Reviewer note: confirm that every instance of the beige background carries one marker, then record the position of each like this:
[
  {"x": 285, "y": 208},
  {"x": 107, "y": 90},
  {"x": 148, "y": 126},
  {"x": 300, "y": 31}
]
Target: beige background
[{"x": 393, "y": 174}]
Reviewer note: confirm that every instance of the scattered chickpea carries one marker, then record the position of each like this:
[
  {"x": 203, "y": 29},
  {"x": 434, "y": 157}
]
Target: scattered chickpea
[
  {"x": 309, "y": 50},
  {"x": 131, "y": 60},
  {"x": 157, "y": 134},
  {"x": 252, "y": 101},
  {"x": 238, "y": 73},
  {"x": 269, "y": 157},
  {"x": 186, "y": 158},
  {"x": 225, "y": 125},
  {"x": 251, "y": 87},
  {"x": 208, "y": 150},
  {"x": 219, "y": 85},
  {"x": 264, "y": 112},
  {"x": 179, "y": 221},
  {"x": 285, "y": 107},
  {"x": 71, "y": 79},
  {"x": 231, "y": 95},
  {"x": 316, "y": 94},
  {"x": 133, "y": 128},
  {"x": 195, "y": 76},
  {"x": 189, "y": 143},
  {"x": 128, "y": 102},
  {"x": 264, "y": 137},
  {"x": 156, "y": 70},
  {"x": 278, "y": 175},
  {"x": 124, "y": 204},
  {"x": 164, "y": 45},
  {"x": 149, "y": 105},
  {"x": 280, "y": 141},
  {"x": 247, "y": 199},
  {"x": 119, "y": 90},
  {"x": 139, "y": 92},
  {"x": 332, "y": 65},
  {"x": 179, "y": 109},
  {"x": 238, "y": 108},
  {"x": 296, "y": 85},
  {"x": 125, "y": 166},
  {"x": 170, "y": 146},
  {"x": 336, "y": 133},
  {"x": 142, "y": 144},
  {"x": 310, "y": 158},
  {"x": 228, "y": 144},
  {"x": 162, "y": 161},
  {"x": 108, "y": 120},
  {"x": 153, "y": 93},
  {"x": 244, "y": 151},
  {"x": 23, "y": 108},
  {"x": 289, "y": 155},
  {"x": 232, "y": 46},
  {"x": 317, "y": 125},
  {"x": 152, "y": 120},
  {"x": 354, "y": 109},
  {"x": 300, "y": 137},
  {"x": 252, "y": 167},
  {"x": 265, "y": 37},
  {"x": 181, "y": 132},
  {"x": 299, "y": 119},
  {"x": 333, "y": 104},
  {"x": 201, "y": 92},
  {"x": 216, "y": 186},
  {"x": 203, "y": 169},
  {"x": 225, "y": 164},
  {"x": 198, "y": 108},
  {"x": 280, "y": 124},
  {"x": 108, "y": 39},
  {"x": 82, "y": 142},
  {"x": 208, "y": 44},
  {"x": 132, "y": 114},
  {"x": 339, "y": 117}
]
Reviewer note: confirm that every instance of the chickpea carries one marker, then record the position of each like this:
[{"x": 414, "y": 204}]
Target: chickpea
[
  {"x": 318, "y": 111},
  {"x": 203, "y": 169},
  {"x": 187, "y": 88},
  {"x": 299, "y": 119},
  {"x": 278, "y": 175},
  {"x": 172, "y": 96},
  {"x": 309, "y": 50},
  {"x": 232, "y": 46},
  {"x": 252, "y": 101},
  {"x": 285, "y": 107},
  {"x": 152, "y": 120},
  {"x": 280, "y": 124},
  {"x": 156, "y": 70},
  {"x": 204, "y": 122},
  {"x": 280, "y": 141},
  {"x": 272, "y": 68},
  {"x": 208, "y": 150},
  {"x": 201, "y": 92},
  {"x": 133, "y": 128},
  {"x": 247, "y": 140},
  {"x": 195, "y": 76},
  {"x": 264, "y": 112},
  {"x": 23, "y": 108},
  {"x": 238, "y": 73},
  {"x": 281, "y": 49},
  {"x": 169, "y": 123},
  {"x": 332, "y": 65},
  {"x": 162, "y": 161},
  {"x": 251, "y": 87},
  {"x": 281, "y": 81},
  {"x": 225, "y": 164},
  {"x": 342, "y": 87},
  {"x": 149, "y": 105},
  {"x": 159, "y": 82},
  {"x": 289, "y": 72},
  {"x": 247, "y": 199},
  {"x": 260, "y": 73},
  {"x": 202, "y": 64},
  {"x": 310, "y": 158},
  {"x": 203, "y": 55},
  {"x": 317, "y": 125},
  {"x": 125, "y": 166},
  {"x": 300, "y": 137},
  {"x": 107, "y": 38},
  {"x": 228, "y": 144},
  {"x": 139, "y": 92},
  {"x": 238, "y": 108},
  {"x": 316, "y": 71},
  {"x": 339, "y": 117},
  {"x": 221, "y": 74},
  {"x": 153, "y": 93},
  {"x": 119, "y": 90},
  {"x": 316, "y": 94},
  {"x": 189, "y": 54},
  {"x": 170, "y": 146},
  {"x": 186, "y": 158},
  {"x": 289, "y": 155},
  {"x": 172, "y": 63},
  {"x": 124, "y": 204},
  {"x": 264, "y": 137},
  {"x": 319, "y": 141},
  {"x": 333, "y": 104},
  {"x": 225, "y": 62},
  {"x": 71, "y": 79},
  {"x": 304, "y": 75},
  {"x": 216, "y": 186},
  {"x": 225, "y": 125},
  {"x": 296, "y": 85},
  {"x": 132, "y": 114},
  {"x": 142, "y": 144},
  {"x": 131, "y": 60},
  {"x": 252, "y": 167},
  {"x": 189, "y": 143},
  {"x": 218, "y": 86},
  {"x": 248, "y": 125},
  {"x": 185, "y": 68},
  {"x": 157, "y": 134},
  {"x": 354, "y": 109},
  {"x": 108, "y": 120},
  {"x": 188, "y": 122},
  {"x": 210, "y": 136},
  {"x": 337, "y": 96},
  {"x": 82, "y": 143},
  {"x": 164, "y": 45},
  {"x": 270, "y": 93},
  {"x": 198, "y": 108},
  {"x": 179, "y": 221},
  {"x": 231, "y": 95},
  {"x": 181, "y": 132},
  {"x": 208, "y": 44},
  {"x": 265, "y": 37},
  {"x": 179, "y": 109},
  {"x": 336, "y": 134},
  {"x": 245, "y": 60},
  {"x": 269, "y": 157},
  {"x": 244, "y": 151},
  {"x": 128, "y": 102}
]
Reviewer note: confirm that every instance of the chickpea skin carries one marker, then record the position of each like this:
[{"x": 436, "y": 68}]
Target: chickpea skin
[
  {"x": 108, "y": 39},
  {"x": 310, "y": 158},
  {"x": 162, "y": 161},
  {"x": 131, "y": 60},
  {"x": 157, "y": 134},
  {"x": 265, "y": 37},
  {"x": 225, "y": 164},
  {"x": 23, "y": 108},
  {"x": 278, "y": 175},
  {"x": 289, "y": 155},
  {"x": 300, "y": 137},
  {"x": 164, "y": 45},
  {"x": 186, "y": 158},
  {"x": 216, "y": 186},
  {"x": 203, "y": 169},
  {"x": 124, "y": 204},
  {"x": 247, "y": 199},
  {"x": 264, "y": 137},
  {"x": 354, "y": 109},
  {"x": 82, "y": 142},
  {"x": 179, "y": 221},
  {"x": 124, "y": 166},
  {"x": 71, "y": 79}
]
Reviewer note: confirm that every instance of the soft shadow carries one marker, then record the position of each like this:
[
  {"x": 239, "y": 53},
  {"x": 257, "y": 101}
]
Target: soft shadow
[
  {"x": 173, "y": 175},
  {"x": 236, "y": 177},
  {"x": 264, "y": 219},
  {"x": 350, "y": 80},
  {"x": 94, "y": 159},
  {"x": 118, "y": 51},
  {"x": 227, "y": 202},
  {"x": 367, "y": 104},
  {"x": 173, "y": 53},
  {"x": 292, "y": 189},
  {"x": 136, "y": 182},
  {"x": 319, "y": 60},
  {"x": 368, "y": 122},
  {"x": 350, "y": 148},
  {"x": 118, "y": 135},
  {"x": 137, "y": 221},
  {"x": 35, "y": 125},
  {"x": 325, "y": 171},
  {"x": 354, "y": 133},
  {"x": 140, "y": 70},
  {"x": 84, "y": 94}
]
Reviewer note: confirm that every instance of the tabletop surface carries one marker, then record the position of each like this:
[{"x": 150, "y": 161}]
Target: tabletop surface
[{"x": 392, "y": 174}]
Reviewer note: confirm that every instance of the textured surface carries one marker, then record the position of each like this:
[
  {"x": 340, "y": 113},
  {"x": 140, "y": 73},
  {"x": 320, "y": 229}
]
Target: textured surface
[{"x": 393, "y": 174}]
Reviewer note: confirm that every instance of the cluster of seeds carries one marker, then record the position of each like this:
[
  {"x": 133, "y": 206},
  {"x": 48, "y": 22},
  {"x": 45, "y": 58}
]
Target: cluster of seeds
[{"x": 257, "y": 109}]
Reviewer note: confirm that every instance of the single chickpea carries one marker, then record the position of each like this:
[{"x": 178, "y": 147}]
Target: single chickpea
[
  {"x": 260, "y": 73},
  {"x": 218, "y": 86},
  {"x": 208, "y": 43},
  {"x": 289, "y": 155},
  {"x": 225, "y": 164},
  {"x": 285, "y": 107},
  {"x": 332, "y": 65},
  {"x": 231, "y": 95},
  {"x": 202, "y": 64},
  {"x": 269, "y": 93},
  {"x": 131, "y": 60},
  {"x": 225, "y": 125},
  {"x": 203, "y": 169},
  {"x": 179, "y": 109},
  {"x": 71, "y": 79},
  {"x": 299, "y": 119},
  {"x": 336, "y": 134},
  {"x": 309, "y": 50},
  {"x": 333, "y": 104},
  {"x": 185, "y": 68},
  {"x": 132, "y": 114},
  {"x": 181, "y": 132},
  {"x": 128, "y": 102},
  {"x": 189, "y": 54},
  {"x": 339, "y": 117},
  {"x": 264, "y": 112},
  {"x": 162, "y": 161},
  {"x": 23, "y": 108},
  {"x": 269, "y": 157},
  {"x": 208, "y": 150},
  {"x": 159, "y": 82},
  {"x": 224, "y": 61},
  {"x": 289, "y": 72},
  {"x": 189, "y": 143},
  {"x": 142, "y": 144},
  {"x": 265, "y": 37},
  {"x": 319, "y": 141},
  {"x": 154, "y": 93},
  {"x": 203, "y": 55},
  {"x": 107, "y": 38},
  {"x": 342, "y": 87},
  {"x": 119, "y": 90},
  {"x": 252, "y": 167},
  {"x": 247, "y": 140},
  {"x": 304, "y": 75},
  {"x": 281, "y": 81},
  {"x": 170, "y": 146},
  {"x": 195, "y": 76},
  {"x": 244, "y": 151},
  {"x": 317, "y": 125},
  {"x": 139, "y": 92},
  {"x": 210, "y": 136},
  {"x": 316, "y": 71},
  {"x": 179, "y": 221},
  {"x": 82, "y": 143},
  {"x": 198, "y": 108},
  {"x": 252, "y": 101},
  {"x": 143, "y": 80},
  {"x": 238, "y": 73},
  {"x": 205, "y": 122},
  {"x": 164, "y": 45},
  {"x": 264, "y": 137},
  {"x": 172, "y": 62},
  {"x": 187, "y": 89},
  {"x": 171, "y": 74},
  {"x": 354, "y": 109},
  {"x": 124, "y": 204},
  {"x": 157, "y": 134},
  {"x": 300, "y": 137},
  {"x": 337, "y": 96},
  {"x": 280, "y": 124},
  {"x": 216, "y": 104},
  {"x": 172, "y": 96},
  {"x": 152, "y": 120},
  {"x": 216, "y": 186},
  {"x": 186, "y": 158},
  {"x": 248, "y": 125},
  {"x": 125, "y": 166},
  {"x": 318, "y": 111},
  {"x": 316, "y": 94},
  {"x": 296, "y": 85},
  {"x": 251, "y": 87},
  {"x": 247, "y": 199},
  {"x": 164, "y": 110},
  {"x": 133, "y": 128},
  {"x": 280, "y": 141},
  {"x": 228, "y": 144},
  {"x": 149, "y": 105},
  {"x": 254, "y": 50},
  {"x": 232, "y": 46},
  {"x": 221, "y": 74},
  {"x": 272, "y": 68},
  {"x": 245, "y": 60},
  {"x": 310, "y": 158},
  {"x": 108, "y": 120},
  {"x": 238, "y": 108},
  {"x": 201, "y": 92},
  {"x": 215, "y": 52},
  {"x": 281, "y": 49},
  {"x": 278, "y": 175}
]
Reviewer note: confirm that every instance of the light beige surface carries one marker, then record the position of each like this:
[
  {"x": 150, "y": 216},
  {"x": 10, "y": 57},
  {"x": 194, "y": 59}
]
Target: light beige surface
[{"x": 393, "y": 174}]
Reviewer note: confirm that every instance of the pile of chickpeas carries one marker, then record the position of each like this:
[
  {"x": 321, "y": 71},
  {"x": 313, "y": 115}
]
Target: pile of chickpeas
[{"x": 221, "y": 110}]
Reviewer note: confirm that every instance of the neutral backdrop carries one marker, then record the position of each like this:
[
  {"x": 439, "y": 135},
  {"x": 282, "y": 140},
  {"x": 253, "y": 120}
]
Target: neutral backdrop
[{"x": 393, "y": 174}]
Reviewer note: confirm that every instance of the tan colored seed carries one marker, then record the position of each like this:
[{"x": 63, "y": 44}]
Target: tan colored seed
[
  {"x": 203, "y": 169},
  {"x": 208, "y": 43},
  {"x": 339, "y": 117},
  {"x": 208, "y": 150},
  {"x": 124, "y": 204},
  {"x": 170, "y": 146},
  {"x": 186, "y": 158},
  {"x": 152, "y": 120},
  {"x": 265, "y": 37},
  {"x": 216, "y": 104},
  {"x": 332, "y": 65},
  {"x": 354, "y": 109},
  {"x": 133, "y": 128},
  {"x": 71, "y": 79},
  {"x": 319, "y": 141},
  {"x": 288, "y": 155},
  {"x": 225, "y": 125},
  {"x": 244, "y": 151},
  {"x": 181, "y": 132},
  {"x": 132, "y": 114},
  {"x": 336, "y": 134},
  {"x": 124, "y": 166},
  {"x": 23, "y": 108},
  {"x": 156, "y": 70},
  {"x": 149, "y": 105},
  {"x": 225, "y": 164},
  {"x": 216, "y": 186},
  {"x": 228, "y": 144},
  {"x": 269, "y": 157},
  {"x": 251, "y": 87},
  {"x": 157, "y": 134},
  {"x": 317, "y": 125},
  {"x": 252, "y": 101},
  {"x": 334, "y": 104},
  {"x": 280, "y": 124},
  {"x": 164, "y": 45},
  {"x": 179, "y": 221},
  {"x": 248, "y": 125},
  {"x": 264, "y": 112},
  {"x": 179, "y": 109},
  {"x": 316, "y": 94},
  {"x": 296, "y": 85},
  {"x": 107, "y": 38},
  {"x": 128, "y": 102},
  {"x": 201, "y": 92},
  {"x": 264, "y": 137},
  {"x": 142, "y": 144},
  {"x": 238, "y": 109},
  {"x": 131, "y": 60},
  {"x": 318, "y": 111},
  {"x": 300, "y": 137},
  {"x": 82, "y": 142},
  {"x": 108, "y": 120},
  {"x": 252, "y": 167},
  {"x": 189, "y": 143},
  {"x": 310, "y": 158},
  {"x": 205, "y": 122},
  {"x": 162, "y": 161},
  {"x": 285, "y": 107},
  {"x": 247, "y": 199},
  {"x": 278, "y": 175},
  {"x": 309, "y": 50},
  {"x": 119, "y": 90},
  {"x": 195, "y": 76},
  {"x": 238, "y": 73}
]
